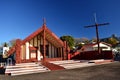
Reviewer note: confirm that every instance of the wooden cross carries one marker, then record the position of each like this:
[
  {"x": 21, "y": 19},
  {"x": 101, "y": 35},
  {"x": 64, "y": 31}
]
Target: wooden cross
[{"x": 97, "y": 33}]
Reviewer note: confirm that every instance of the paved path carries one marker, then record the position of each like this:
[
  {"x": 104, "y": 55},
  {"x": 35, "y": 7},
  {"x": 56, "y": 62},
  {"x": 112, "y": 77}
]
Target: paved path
[
  {"x": 100, "y": 72},
  {"x": 72, "y": 64}
]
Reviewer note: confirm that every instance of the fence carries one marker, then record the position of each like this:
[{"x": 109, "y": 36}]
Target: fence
[{"x": 90, "y": 55}]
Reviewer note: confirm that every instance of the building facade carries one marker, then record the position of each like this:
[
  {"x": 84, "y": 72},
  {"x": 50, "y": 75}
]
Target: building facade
[{"x": 42, "y": 44}]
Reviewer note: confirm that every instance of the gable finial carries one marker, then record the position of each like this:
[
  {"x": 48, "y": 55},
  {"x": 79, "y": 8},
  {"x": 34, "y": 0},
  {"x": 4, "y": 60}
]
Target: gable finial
[{"x": 44, "y": 21}]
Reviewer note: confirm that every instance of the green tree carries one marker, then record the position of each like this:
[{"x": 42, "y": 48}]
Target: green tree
[
  {"x": 94, "y": 39},
  {"x": 112, "y": 41},
  {"x": 79, "y": 42},
  {"x": 12, "y": 42},
  {"x": 5, "y": 44},
  {"x": 79, "y": 46},
  {"x": 69, "y": 40},
  {"x": 85, "y": 40}
]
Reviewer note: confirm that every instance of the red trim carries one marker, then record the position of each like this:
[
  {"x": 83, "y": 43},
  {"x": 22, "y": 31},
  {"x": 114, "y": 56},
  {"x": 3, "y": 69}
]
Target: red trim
[
  {"x": 53, "y": 59},
  {"x": 18, "y": 51},
  {"x": 55, "y": 37},
  {"x": 39, "y": 31},
  {"x": 32, "y": 48},
  {"x": 29, "y": 60},
  {"x": 32, "y": 35},
  {"x": 11, "y": 51}
]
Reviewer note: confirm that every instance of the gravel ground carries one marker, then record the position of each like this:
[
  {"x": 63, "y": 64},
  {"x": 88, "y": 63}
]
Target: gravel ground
[{"x": 100, "y": 72}]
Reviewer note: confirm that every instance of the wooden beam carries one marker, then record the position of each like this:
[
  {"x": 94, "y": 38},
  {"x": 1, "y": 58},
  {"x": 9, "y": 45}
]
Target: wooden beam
[{"x": 44, "y": 45}]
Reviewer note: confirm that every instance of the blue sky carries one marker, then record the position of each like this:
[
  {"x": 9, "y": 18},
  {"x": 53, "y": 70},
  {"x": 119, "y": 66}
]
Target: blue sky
[{"x": 19, "y": 18}]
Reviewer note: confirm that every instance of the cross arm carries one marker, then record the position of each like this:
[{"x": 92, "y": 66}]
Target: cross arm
[
  {"x": 96, "y": 25},
  {"x": 89, "y": 26},
  {"x": 103, "y": 24}
]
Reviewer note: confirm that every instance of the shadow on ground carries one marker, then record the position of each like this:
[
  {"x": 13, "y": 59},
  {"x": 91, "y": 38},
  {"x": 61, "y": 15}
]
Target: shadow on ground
[
  {"x": 2, "y": 71},
  {"x": 117, "y": 58}
]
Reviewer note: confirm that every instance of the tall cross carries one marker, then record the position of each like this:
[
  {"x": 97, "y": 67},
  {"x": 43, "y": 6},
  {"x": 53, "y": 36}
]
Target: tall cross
[{"x": 97, "y": 33}]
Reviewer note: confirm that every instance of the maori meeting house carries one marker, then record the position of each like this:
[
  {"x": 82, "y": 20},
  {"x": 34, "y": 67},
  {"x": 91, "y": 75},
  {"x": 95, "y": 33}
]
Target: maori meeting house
[{"x": 40, "y": 45}]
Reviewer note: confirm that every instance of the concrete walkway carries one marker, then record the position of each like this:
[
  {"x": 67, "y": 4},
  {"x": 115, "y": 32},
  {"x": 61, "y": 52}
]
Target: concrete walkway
[
  {"x": 71, "y": 64},
  {"x": 99, "y": 72},
  {"x": 30, "y": 68}
]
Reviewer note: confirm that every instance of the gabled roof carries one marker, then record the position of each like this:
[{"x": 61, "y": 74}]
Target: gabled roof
[
  {"x": 50, "y": 36},
  {"x": 32, "y": 35},
  {"x": 97, "y": 44},
  {"x": 91, "y": 45},
  {"x": 106, "y": 44}
]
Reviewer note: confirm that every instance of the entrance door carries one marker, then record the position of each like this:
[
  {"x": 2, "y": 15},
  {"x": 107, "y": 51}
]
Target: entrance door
[{"x": 47, "y": 50}]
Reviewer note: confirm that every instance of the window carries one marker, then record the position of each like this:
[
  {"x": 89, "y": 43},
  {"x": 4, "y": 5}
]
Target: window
[{"x": 33, "y": 53}]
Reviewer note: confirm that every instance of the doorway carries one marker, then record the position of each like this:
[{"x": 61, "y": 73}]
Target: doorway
[{"x": 42, "y": 50}]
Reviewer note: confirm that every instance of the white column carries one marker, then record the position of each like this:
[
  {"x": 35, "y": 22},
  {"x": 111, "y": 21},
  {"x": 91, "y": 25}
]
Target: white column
[
  {"x": 27, "y": 50},
  {"x": 38, "y": 55}
]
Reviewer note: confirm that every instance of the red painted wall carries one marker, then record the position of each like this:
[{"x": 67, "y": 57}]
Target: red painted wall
[{"x": 90, "y": 55}]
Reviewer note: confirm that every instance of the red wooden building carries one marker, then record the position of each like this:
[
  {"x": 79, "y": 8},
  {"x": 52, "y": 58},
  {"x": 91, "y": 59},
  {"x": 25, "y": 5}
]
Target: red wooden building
[{"x": 42, "y": 44}]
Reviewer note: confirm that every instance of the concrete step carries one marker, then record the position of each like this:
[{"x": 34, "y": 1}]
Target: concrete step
[
  {"x": 17, "y": 66},
  {"x": 21, "y": 64},
  {"x": 28, "y": 72},
  {"x": 25, "y": 68}
]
